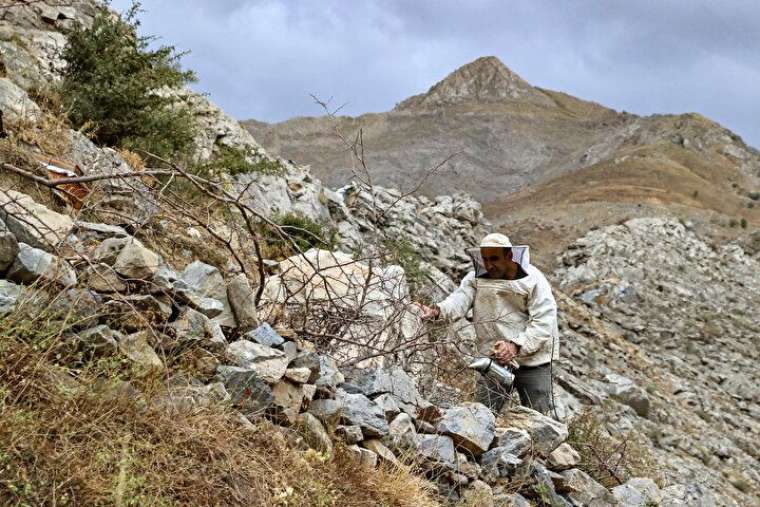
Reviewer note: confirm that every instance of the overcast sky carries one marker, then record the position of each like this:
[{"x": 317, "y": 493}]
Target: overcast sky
[{"x": 262, "y": 58}]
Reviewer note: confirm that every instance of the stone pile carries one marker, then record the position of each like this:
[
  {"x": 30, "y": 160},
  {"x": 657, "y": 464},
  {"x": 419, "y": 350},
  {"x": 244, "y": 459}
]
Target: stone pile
[{"x": 134, "y": 305}]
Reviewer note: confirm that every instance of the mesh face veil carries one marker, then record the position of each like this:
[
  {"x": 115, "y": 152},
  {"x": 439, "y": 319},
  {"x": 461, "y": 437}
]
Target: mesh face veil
[{"x": 520, "y": 254}]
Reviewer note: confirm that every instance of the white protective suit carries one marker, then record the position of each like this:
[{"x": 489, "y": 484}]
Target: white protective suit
[{"x": 522, "y": 311}]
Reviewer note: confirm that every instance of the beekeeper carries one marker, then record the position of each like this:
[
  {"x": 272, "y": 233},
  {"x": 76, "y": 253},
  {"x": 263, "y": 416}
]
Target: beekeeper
[{"x": 515, "y": 320}]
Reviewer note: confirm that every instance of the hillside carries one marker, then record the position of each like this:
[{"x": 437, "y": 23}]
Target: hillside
[
  {"x": 219, "y": 327},
  {"x": 503, "y": 140},
  {"x": 547, "y": 166}
]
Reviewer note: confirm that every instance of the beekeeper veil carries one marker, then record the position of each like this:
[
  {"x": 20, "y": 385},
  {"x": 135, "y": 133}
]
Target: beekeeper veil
[{"x": 520, "y": 253}]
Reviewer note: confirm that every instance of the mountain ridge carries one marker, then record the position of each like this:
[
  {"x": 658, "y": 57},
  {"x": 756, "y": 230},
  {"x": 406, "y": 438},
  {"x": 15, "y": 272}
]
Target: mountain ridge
[{"x": 540, "y": 146}]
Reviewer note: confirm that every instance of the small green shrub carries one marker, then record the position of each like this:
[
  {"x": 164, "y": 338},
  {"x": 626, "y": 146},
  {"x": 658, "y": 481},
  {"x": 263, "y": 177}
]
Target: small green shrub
[
  {"x": 114, "y": 84},
  {"x": 303, "y": 231},
  {"x": 234, "y": 161},
  {"x": 743, "y": 223},
  {"x": 401, "y": 251}
]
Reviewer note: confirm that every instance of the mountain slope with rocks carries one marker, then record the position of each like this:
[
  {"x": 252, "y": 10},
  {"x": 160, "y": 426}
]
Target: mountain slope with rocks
[
  {"x": 248, "y": 339},
  {"x": 547, "y": 166}
]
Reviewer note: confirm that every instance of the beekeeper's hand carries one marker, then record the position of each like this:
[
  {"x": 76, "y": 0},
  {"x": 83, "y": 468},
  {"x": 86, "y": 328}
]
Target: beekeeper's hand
[
  {"x": 428, "y": 312},
  {"x": 504, "y": 351}
]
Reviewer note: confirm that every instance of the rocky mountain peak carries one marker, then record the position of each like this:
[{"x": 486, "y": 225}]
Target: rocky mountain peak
[{"x": 484, "y": 79}]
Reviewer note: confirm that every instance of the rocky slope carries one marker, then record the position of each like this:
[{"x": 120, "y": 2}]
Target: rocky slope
[
  {"x": 658, "y": 325},
  {"x": 682, "y": 312}
]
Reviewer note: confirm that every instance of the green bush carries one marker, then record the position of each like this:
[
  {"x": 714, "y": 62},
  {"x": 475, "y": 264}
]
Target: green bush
[
  {"x": 111, "y": 86},
  {"x": 743, "y": 223},
  {"x": 303, "y": 231},
  {"x": 401, "y": 251},
  {"x": 233, "y": 161}
]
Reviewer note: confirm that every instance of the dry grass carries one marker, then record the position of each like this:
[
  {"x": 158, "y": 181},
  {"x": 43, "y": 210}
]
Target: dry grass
[
  {"x": 50, "y": 131},
  {"x": 77, "y": 437}
]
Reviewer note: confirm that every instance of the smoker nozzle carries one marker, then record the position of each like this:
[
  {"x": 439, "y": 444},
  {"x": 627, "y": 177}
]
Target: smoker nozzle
[{"x": 491, "y": 369}]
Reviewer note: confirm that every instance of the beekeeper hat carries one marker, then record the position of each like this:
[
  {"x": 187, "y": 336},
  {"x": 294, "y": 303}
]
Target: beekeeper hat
[{"x": 495, "y": 240}]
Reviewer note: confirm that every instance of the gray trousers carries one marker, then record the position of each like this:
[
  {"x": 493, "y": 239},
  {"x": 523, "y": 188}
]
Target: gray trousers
[{"x": 533, "y": 384}]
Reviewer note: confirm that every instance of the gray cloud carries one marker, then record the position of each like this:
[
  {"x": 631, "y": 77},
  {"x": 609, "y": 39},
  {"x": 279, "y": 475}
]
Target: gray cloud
[{"x": 262, "y": 58}]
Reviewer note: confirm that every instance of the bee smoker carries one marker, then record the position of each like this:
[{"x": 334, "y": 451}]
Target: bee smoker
[{"x": 494, "y": 371}]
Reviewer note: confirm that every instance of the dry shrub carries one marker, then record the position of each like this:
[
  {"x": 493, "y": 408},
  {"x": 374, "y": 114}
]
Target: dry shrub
[
  {"x": 49, "y": 132},
  {"x": 132, "y": 158},
  {"x": 610, "y": 461},
  {"x": 79, "y": 437}
]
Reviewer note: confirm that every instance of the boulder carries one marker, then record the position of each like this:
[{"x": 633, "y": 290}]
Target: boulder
[
  {"x": 100, "y": 340},
  {"x": 288, "y": 399},
  {"x": 627, "y": 392},
  {"x": 564, "y": 457},
  {"x": 329, "y": 374},
  {"x": 248, "y": 391},
  {"x": 351, "y": 409},
  {"x": 242, "y": 300},
  {"x": 638, "y": 492},
  {"x": 438, "y": 449},
  {"x": 499, "y": 462},
  {"x": 471, "y": 426},
  {"x": 298, "y": 375},
  {"x": 270, "y": 364},
  {"x": 101, "y": 277},
  {"x": 314, "y": 433},
  {"x": 8, "y": 247},
  {"x": 145, "y": 361},
  {"x": 192, "y": 325},
  {"x": 545, "y": 432},
  {"x": 15, "y": 103},
  {"x": 581, "y": 489},
  {"x": 514, "y": 440},
  {"x": 136, "y": 262},
  {"x": 9, "y": 296},
  {"x": 208, "y": 282},
  {"x": 393, "y": 380},
  {"x": 310, "y": 360},
  {"x": 376, "y": 445},
  {"x": 364, "y": 457},
  {"x": 34, "y": 264},
  {"x": 350, "y": 434},
  {"x": 265, "y": 335}
]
